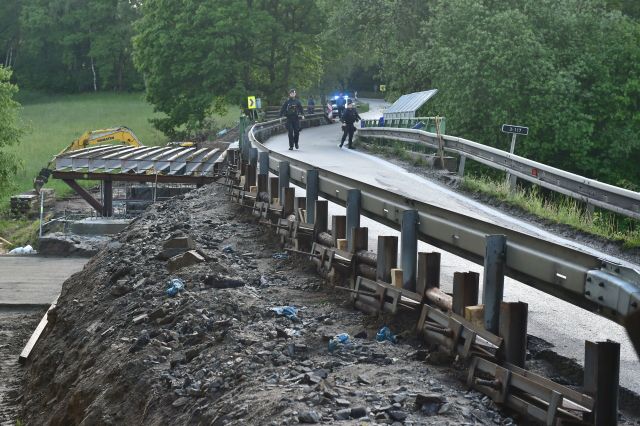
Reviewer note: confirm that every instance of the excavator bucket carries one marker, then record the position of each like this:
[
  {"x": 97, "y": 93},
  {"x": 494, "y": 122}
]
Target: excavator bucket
[{"x": 41, "y": 179}]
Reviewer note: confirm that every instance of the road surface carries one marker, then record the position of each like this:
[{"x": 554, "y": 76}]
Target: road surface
[
  {"x": 562, "y": 324},
  {"x": 34, "y": 280}
]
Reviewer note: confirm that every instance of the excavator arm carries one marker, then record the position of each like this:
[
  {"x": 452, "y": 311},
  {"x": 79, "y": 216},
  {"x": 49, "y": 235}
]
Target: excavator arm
[{"x": 121, "y": 135}]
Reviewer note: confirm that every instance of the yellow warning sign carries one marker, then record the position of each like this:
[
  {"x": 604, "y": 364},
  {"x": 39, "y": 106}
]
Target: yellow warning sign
[{"x": 251, "y": 101}]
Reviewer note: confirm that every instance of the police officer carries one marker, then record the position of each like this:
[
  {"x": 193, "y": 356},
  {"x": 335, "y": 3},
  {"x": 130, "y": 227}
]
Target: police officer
[
  {"x": 349, "y": 117},
  {"x": 292, "y": 109}
]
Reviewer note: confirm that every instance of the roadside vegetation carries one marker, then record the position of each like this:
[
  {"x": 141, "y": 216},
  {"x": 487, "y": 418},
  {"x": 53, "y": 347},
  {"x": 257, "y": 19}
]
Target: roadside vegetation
[{"x": 559, "y": 209}]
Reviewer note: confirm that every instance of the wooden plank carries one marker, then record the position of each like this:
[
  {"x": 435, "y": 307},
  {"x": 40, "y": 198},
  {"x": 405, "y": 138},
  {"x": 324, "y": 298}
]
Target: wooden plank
[
  {"x": 475, "y": 315},
  {"x": 24, "y": 355},
  {"x": 396, "y": 277}
]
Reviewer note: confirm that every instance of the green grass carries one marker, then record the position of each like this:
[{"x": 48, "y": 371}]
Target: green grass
[
  {"x": 19, "y": 232},
  {"x": 54, "y": 121},
  {"x": 560, "y": 209}
]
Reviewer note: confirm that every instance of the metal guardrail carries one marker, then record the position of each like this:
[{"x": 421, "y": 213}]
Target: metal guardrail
[
  {"x": 579, "y": 278},
  {"x": 596, "y": 193}
]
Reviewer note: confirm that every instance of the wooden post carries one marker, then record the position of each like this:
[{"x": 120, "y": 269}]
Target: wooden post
[
  {"x": 466, "y": 287},
  {"x": 602, "y": 381},
  {"x": 360, "y": 238},
  {"x": 396, "y": 277},
  {"x": 262, "y": 183},
  {"x": 321, "y": 223},
  {"x": 387, "y": 257},
  {"x": 289, "y": 195},
  {"x": 338, "y": 228},
  {"x": 409, "y": 248},
  {"x": 513, "y": 329},
  {"x": 428, "y": 271},
  {"x": 273, "y": 188}
]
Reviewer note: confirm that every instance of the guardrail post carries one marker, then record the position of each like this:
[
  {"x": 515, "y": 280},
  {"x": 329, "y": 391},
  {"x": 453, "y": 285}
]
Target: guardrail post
[
  {"x": 274, "y": 188},
  {"x": 428, "y": 272},
  {"x": 353, "y": 214},
  {"x": 387, "y": 258},
  {"x": 338, "y": 228},
  {"x": 493, "y": 283},
  {"x": 409, "y": 249},
  {"x": 263, "y": 159},
  {"x": 312, "y": 194},
  {"x": 463, "y": 160},
  {"x": 466, "y": 287},
  {"x": 322, "y": 217},
  {"x": 513, "y": 329},
  {"x": 601, "y": 380},
  {"x": 283, "y": 176}
]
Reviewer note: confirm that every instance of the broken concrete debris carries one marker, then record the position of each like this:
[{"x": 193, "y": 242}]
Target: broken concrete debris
[{"x": 217, "y": 353}]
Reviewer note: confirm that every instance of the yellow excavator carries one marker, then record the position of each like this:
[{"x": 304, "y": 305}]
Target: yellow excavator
[{"x": 122, "y": 135}]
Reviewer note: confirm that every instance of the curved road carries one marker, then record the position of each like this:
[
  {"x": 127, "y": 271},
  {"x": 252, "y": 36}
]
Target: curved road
[{"x": 560, "y": 323}]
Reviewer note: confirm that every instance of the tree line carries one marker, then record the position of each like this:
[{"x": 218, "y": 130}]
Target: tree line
[{"x": 568, "y": 70}]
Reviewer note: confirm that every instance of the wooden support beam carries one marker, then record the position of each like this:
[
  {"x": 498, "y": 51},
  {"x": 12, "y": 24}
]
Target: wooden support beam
[
  {"x": 289, "y": 196},
  {"x": 24, "y": 355},
  {"x": 273, "y": 188},
  {"x": 396, "y": 277}
]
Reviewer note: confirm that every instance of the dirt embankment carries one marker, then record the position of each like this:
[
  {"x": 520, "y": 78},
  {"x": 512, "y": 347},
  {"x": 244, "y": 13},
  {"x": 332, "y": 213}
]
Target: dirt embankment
[{"x": 119, "y": 350}]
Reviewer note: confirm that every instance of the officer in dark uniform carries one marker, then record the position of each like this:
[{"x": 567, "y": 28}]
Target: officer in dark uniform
[
  {"x": 292, "y": 109},
  {"x": 348, "y": 119}
]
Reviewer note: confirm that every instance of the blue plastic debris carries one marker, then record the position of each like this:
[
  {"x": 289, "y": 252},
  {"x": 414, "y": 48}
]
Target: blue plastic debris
[
  {"x": 342, "y": 338},
  {"x": 288, "y": 311},
  {"x": 175, "y": 285},
  {"x": 227, "y": 249},
  {"x": 281, "y": 256},
  {"x": 385, "y": 334}
]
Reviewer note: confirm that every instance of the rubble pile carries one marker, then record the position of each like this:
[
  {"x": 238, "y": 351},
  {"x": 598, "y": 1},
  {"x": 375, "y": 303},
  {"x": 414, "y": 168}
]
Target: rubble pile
[{"x": 193, "y": 316}]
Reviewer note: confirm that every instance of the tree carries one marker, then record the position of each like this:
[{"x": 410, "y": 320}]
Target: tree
[
  {"x": 75, "y": 45},
  {"x": 9, "y": 130},
  {"x": 197, "y": 56}
]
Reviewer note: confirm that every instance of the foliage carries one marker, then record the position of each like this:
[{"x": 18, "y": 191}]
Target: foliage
[
  {"x": 71, "y": 45},
  {"x": 198, "y": 56},
  {"x": 10, "y": 130},
  {"x": 570, "y": 71},
  {"x": 559, "y": 209}
]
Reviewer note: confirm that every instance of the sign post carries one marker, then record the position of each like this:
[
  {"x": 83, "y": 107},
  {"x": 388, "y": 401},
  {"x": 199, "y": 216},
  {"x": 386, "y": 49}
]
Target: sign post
[{"x": 515, "y": 131}]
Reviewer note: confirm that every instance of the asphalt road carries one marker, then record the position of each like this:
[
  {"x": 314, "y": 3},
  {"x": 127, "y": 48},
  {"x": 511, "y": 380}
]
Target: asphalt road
[
  {"x": 562, "y": 324},
  {"x": 34, "y": 280}
]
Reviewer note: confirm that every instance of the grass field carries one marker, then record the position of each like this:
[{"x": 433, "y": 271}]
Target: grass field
[{"x": 55, "y": 121}]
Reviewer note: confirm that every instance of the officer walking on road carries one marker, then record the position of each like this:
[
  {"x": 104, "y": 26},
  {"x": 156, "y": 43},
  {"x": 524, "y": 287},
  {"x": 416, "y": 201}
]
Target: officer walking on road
[
  {"x": 349, "y": 117},
  {"x": 292, "y": 109}
]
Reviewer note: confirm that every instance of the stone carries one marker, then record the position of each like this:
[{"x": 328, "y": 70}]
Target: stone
[
  {"x": 180, "y": 261},
  {"x": 343, "y": 402},
  {"x": 357, "y": 412},
  {"x": 398, "y": 415},
  {"x": 176, "y": 246},
  {"x": 180, "y": 402},
  {"x": 222, "y": 282},
  {"x": 309, "y": 417},
  {"x": 343, "y": 414}
]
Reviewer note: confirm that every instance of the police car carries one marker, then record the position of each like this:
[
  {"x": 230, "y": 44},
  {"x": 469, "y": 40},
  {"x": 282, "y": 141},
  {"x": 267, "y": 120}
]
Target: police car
[{"x": 334, "y": 103}]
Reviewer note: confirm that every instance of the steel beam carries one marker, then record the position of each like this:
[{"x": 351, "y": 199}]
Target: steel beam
[
  {"x": 312, "y": 194},
  {"x": 85, "y": 195},
  {"x": 493, "y": 286},
  {"x": 409, "y": 249},
  {"x": 353, "y": 214}
]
